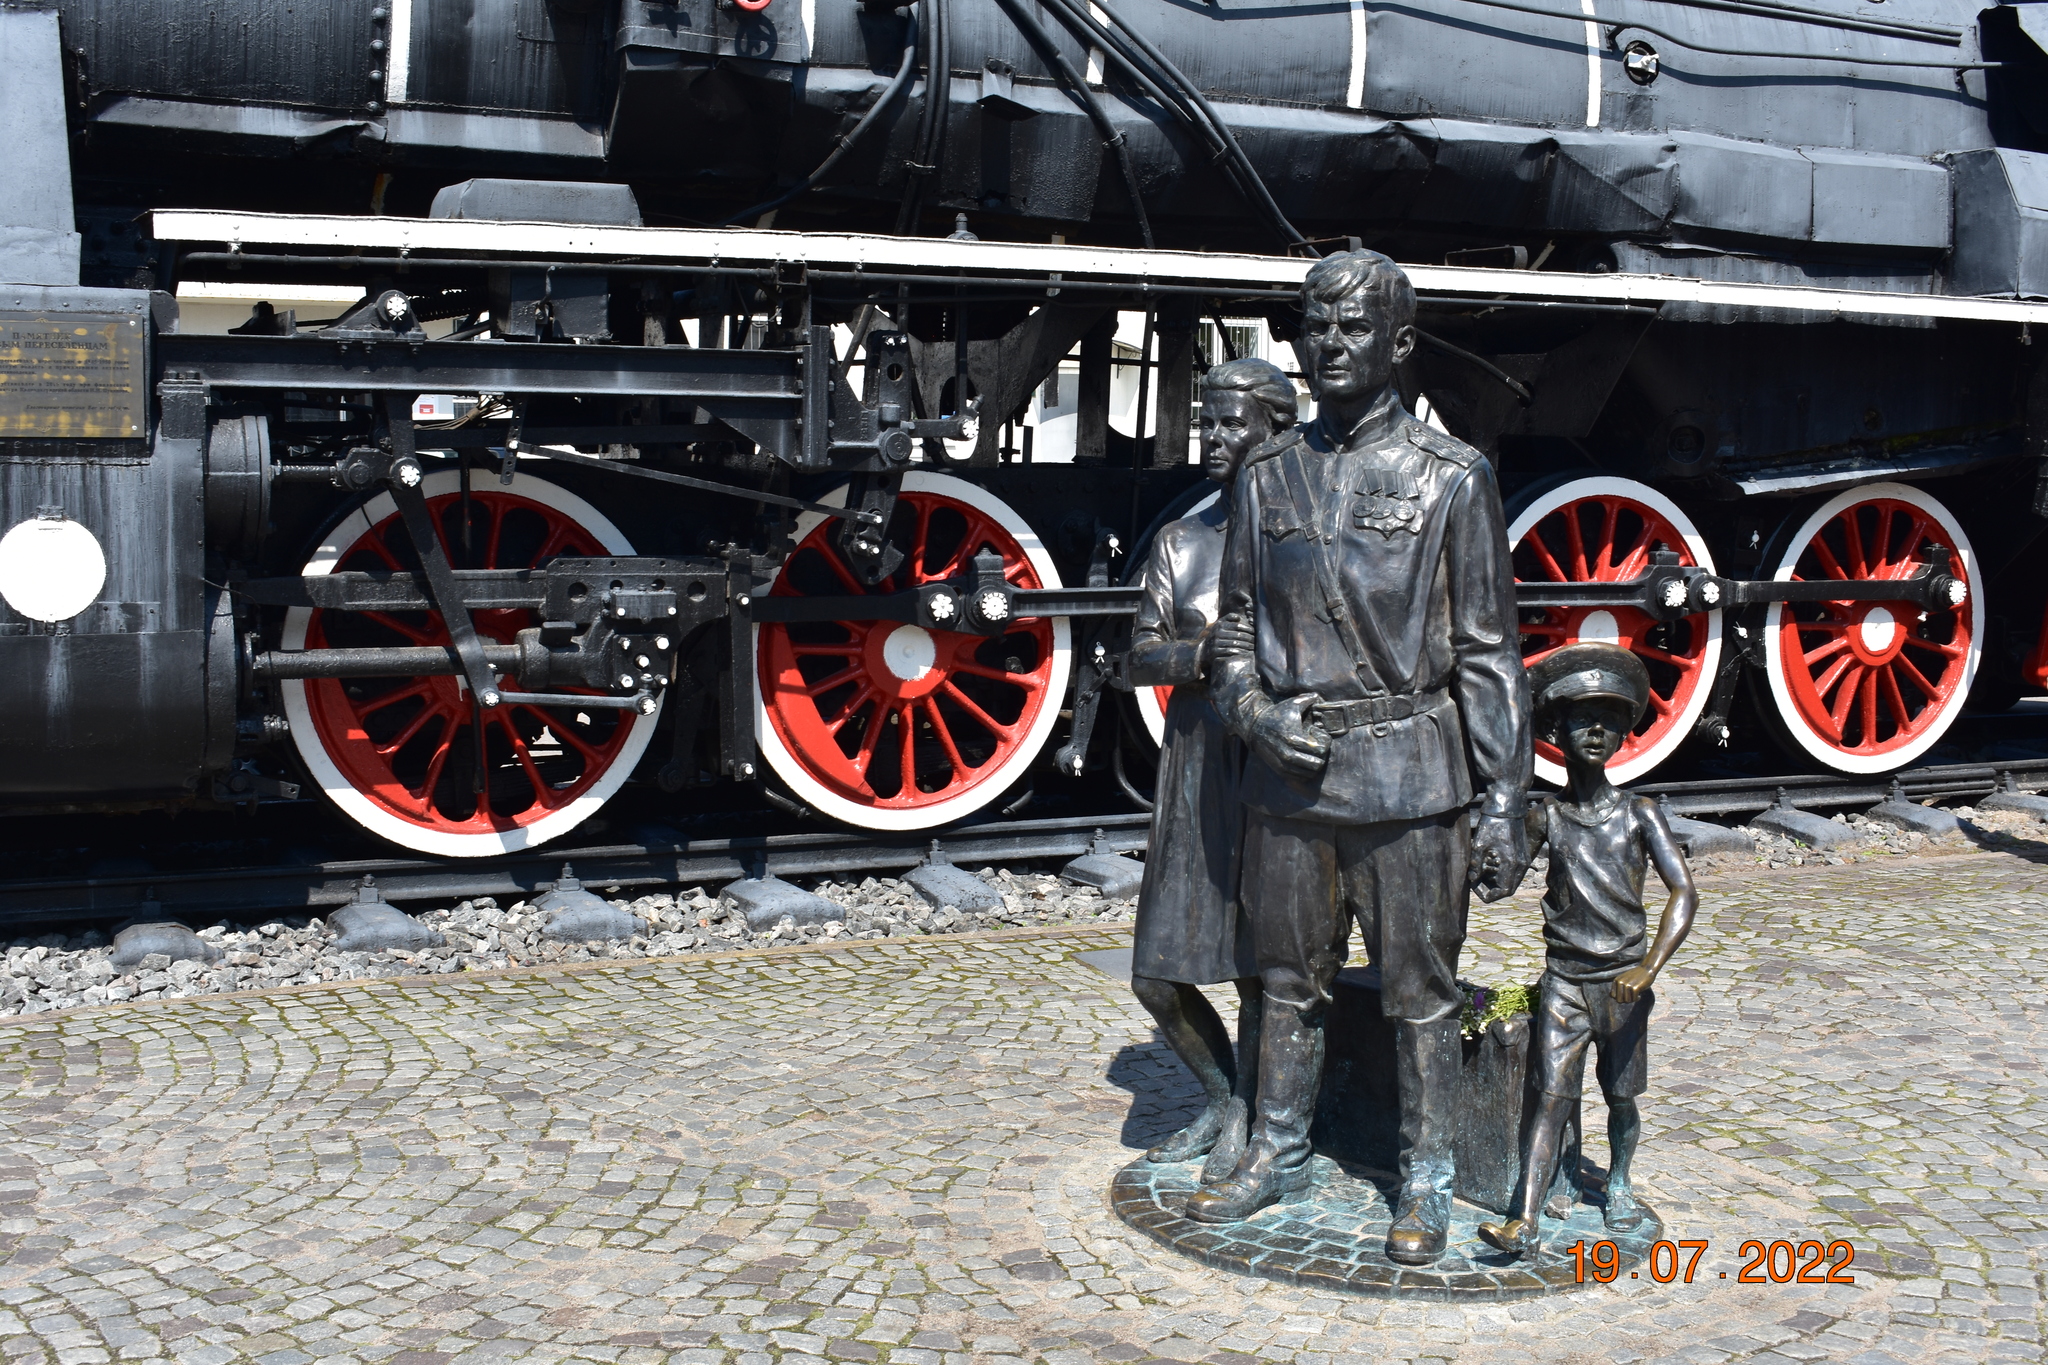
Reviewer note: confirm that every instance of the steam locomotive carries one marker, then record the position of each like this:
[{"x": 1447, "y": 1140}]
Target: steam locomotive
[{"x": 677, "y": 426}]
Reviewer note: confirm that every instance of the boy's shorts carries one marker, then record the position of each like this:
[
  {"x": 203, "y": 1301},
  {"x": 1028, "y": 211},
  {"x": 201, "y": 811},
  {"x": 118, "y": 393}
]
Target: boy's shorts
[{"x": 1572, "y": 1014}]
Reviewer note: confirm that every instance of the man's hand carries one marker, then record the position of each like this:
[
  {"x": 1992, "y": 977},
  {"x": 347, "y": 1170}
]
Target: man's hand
[
  {"x": 1500, "y": 856},
  {"x": 1232, "y": 637},
  {"x": 1283, "y": 737},
  {"x": 1630, "y": 985}
]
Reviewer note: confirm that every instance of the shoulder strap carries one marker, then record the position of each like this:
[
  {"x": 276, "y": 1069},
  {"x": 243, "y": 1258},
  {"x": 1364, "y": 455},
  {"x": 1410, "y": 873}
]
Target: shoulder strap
[
  {"x": 1329, "y": 584},
  {"x": 1448, "y": 448}
]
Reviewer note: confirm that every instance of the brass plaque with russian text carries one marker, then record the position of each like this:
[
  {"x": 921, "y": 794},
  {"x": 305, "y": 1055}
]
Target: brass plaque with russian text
[{"x": 73, "y": 377}]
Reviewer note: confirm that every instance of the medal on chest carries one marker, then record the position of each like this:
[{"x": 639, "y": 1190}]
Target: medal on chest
[{"x": 1388, "y": 499}]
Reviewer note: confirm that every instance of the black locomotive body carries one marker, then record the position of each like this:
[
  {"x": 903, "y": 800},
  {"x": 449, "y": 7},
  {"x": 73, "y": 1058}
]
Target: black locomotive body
[{"x": 677, "y": 429}]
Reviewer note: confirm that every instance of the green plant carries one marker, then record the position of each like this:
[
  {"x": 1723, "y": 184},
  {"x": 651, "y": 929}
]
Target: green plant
[{"x": 1485, "y": 1004}]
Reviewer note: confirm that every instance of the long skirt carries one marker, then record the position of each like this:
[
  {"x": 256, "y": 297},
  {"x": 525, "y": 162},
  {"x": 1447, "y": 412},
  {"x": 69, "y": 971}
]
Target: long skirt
[{"x": 1190, "y": 927}]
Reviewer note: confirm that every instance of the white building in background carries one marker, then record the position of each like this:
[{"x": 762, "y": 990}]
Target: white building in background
[{"x": 1053, "y": 413}]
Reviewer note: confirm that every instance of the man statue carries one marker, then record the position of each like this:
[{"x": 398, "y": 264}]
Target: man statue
[{"x": 1369, "y": 657}]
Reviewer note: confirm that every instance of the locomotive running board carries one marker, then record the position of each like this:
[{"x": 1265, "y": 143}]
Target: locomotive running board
[{"x": 878, "y": 257}]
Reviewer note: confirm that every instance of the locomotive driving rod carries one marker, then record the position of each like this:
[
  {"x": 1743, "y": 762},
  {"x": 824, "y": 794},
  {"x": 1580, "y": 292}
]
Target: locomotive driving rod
[
  {"x": 1666, "y": 592},
  {"x": 414, "y": 661},
  {"x": 398, "y": 661}
]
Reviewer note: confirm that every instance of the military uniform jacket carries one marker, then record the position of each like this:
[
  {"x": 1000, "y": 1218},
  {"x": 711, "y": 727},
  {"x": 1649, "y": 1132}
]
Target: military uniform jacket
[{"x": 1404, "y": 525}]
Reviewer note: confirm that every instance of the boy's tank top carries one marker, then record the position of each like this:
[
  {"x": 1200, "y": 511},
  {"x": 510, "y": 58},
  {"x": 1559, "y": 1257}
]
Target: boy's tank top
[{"x": 1593, "y": 920}]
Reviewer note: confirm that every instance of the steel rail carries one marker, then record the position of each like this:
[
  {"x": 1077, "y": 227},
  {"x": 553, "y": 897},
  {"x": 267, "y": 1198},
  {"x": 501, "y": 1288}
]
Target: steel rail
[
  {"x": 638, "y": 868},
  {"x": 1751, "y": 795}
]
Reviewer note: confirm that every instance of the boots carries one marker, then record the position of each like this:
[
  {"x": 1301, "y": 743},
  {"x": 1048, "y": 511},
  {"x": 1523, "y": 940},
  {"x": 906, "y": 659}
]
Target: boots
[
  {"x": 1275, "y": 1166},
  {"x": 1428, "y": 1058},
  {"x": 1237, "y": 1119},
  {"x": 1230, "y": 1143}
]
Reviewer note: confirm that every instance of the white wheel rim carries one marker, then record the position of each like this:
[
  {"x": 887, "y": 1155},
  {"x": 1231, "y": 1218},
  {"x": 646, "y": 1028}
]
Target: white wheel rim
[
  {"x": 1681, "y": 724},
  {"x": 1774, "y": 656},
  {"x": 1152, "y": 701},
  {"x": 791, "y": 769},
  {"x": 327, "y": 773}
]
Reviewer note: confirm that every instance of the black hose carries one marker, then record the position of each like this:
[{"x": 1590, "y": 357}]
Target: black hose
[
  {"x": 1229, "y": 138},
  {"x": 1090, "y": 33},
  {"x": 942, "y": 118},
  {"x": 1035, "y": 34},
  {"x": 883, "y": 101},
  {"x": 928, "y": 38},
  {"x": 1798, "y": 14},
  {"x": 1437, "y": 343},
  {"x": 938, "y": 105},
  {"x": 1193, "y": 108},
  {"x": 1116, "y": 764}
]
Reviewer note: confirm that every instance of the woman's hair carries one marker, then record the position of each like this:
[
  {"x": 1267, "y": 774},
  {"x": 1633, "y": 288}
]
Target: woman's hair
[{"x": 1263, "y": 380}]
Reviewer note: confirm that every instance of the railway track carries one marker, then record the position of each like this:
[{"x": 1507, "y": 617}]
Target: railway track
[
  {"x": 242, "y": 890},
  {"x": 633, "y": 868}
]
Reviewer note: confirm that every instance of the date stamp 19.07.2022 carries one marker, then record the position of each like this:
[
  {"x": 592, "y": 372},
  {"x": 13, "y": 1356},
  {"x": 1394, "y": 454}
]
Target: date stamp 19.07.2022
[{"x": 1775, "y": 1262}]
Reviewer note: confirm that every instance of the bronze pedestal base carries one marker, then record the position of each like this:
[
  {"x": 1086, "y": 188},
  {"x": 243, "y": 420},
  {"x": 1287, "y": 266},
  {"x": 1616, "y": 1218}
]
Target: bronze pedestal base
[{"x": 1336, "y": 1239}]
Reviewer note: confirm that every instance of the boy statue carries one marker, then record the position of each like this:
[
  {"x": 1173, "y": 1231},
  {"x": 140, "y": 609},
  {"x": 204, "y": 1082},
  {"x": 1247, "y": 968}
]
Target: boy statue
[{"x": 1598, "y": 970}]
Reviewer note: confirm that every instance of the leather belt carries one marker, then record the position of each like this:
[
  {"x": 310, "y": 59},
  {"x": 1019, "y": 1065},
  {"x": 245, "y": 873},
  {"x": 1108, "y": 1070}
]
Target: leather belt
[{"x": 1376, "y": 714}]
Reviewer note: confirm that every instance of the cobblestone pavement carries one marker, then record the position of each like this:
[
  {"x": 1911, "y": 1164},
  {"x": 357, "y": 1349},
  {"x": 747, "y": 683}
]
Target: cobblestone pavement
[{"x": 896, "y": 1153}]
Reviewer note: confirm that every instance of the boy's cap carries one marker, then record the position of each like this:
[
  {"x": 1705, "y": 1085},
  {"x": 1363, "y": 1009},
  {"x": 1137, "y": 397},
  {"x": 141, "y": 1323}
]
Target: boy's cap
[{"x": 1590, "y": 669}]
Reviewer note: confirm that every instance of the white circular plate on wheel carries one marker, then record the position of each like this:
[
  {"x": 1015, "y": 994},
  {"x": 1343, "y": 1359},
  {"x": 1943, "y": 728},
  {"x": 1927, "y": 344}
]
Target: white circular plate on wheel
[
  {"x": 834, "y": 699},
  {"x": 362, "y": 742},
  {"x": 1617, "y": 523},
  {"x": 1867, "y": 687},
  {"x": 51, "y": 568}
]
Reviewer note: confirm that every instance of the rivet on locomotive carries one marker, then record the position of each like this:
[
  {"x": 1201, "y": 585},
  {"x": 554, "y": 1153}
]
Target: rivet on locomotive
[{"x": 685, "y": 412}]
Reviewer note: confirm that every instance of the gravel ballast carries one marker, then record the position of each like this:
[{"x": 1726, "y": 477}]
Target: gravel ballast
[{"x": 56, "y": 971}]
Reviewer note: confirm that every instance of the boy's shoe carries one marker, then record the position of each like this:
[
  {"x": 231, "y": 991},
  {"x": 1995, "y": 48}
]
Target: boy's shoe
[
  {"x": 1623, "y": 1213},
  {"x": 1515, "y": 1237}
]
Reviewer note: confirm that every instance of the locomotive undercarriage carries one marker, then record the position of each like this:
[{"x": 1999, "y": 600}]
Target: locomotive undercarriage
[{"x": 812, "y": 563}]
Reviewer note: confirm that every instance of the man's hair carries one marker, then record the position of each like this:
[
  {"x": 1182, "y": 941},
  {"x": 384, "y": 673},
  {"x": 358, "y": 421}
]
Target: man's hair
[
  {"x": 1350, "y": 272},
  {"x": 1263, "y": 380}
]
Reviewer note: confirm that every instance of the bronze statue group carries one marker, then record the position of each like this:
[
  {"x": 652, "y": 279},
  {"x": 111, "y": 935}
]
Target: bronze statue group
[{"x": 1340, "y": 634}]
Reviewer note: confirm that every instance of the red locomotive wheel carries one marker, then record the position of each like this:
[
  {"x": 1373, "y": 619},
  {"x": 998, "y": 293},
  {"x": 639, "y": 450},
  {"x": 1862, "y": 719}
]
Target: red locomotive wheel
[
  {"x": 890, "y": 726},
  {"x": 399, "y": 755},
  {"x": 1602, "y": 529},
  {"x": 1866, "y": 687}
]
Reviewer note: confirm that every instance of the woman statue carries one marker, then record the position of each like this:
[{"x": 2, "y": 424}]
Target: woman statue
[{"x": 1189, "y": 931}]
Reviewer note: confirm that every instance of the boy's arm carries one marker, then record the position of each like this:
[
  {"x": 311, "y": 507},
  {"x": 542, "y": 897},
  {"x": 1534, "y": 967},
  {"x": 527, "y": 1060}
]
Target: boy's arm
[{"x": 1678, "y": 911}]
